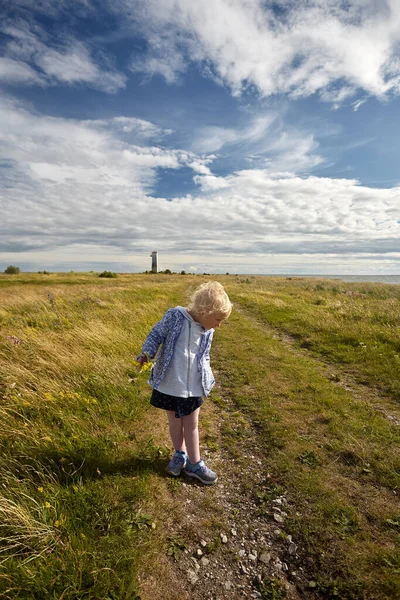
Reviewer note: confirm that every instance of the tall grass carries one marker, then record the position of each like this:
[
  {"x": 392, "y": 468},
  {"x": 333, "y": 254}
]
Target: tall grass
[{"x": 78, "y": 461}]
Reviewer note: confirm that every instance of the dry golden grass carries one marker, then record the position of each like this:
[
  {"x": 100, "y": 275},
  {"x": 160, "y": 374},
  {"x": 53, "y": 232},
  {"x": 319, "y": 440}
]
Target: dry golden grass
[{"x": 73, "y": 421}]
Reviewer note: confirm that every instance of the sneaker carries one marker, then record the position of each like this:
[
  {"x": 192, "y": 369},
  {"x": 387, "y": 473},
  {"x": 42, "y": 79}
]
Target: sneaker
[
  {"x": 201, "y": 472},
  {"x": 176, "y": 464}
]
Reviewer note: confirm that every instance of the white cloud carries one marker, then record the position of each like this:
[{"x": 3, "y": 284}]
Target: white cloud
[
  {"x": 75, "y": 65},
  {"x": 165, "y": 60},
  {"x": 129, "y": 128},
  {"x": 255, "y": 133},
  {"x": 356, "y": 105},
  {"x": 296, "y": 48},
  {"x": 200, "y": 167},
  {"x": 303, "y": 47},
  {"x": 152, "y": 158},
  {"x": 82, "y": 182},
  {"x": 264, "y": 140},
  {"x": 210, "y": 182},
  {"x": 140, "y": 127},
  {"x": 212, "y": 139},
  {"x": 15, "y": 71},
  {"x": 35, "y": 58},
  {"x": 293, "y": 151}
]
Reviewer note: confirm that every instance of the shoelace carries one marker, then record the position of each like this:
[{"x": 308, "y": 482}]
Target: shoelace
[
  {"x": 177, "y": 459},
  {"x": 204, "y": 469}
]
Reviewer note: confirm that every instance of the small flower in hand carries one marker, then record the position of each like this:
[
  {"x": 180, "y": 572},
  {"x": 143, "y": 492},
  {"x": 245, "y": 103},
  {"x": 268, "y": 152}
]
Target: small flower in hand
[{"x": 143, "y": 363}]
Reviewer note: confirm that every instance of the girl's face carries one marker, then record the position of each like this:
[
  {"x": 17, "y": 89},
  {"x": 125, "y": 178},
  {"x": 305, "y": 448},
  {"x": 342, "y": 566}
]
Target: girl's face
[{"x": 210, "y": 321}]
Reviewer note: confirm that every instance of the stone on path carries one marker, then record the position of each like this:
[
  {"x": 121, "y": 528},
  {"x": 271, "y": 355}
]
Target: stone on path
[
  {"x": 265, "y": 558},
  {"x": 192, "y": 576}
]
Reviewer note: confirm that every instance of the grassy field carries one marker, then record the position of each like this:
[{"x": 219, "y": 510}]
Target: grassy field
[{"x": 314, "y": 364}]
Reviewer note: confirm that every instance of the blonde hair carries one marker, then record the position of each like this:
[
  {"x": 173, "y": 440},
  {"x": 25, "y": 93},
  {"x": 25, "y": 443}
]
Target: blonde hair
[{"x": 210, "y": 298}]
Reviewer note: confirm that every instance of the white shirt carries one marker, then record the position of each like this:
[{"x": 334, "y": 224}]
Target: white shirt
[{"x": 182, "y": 377}]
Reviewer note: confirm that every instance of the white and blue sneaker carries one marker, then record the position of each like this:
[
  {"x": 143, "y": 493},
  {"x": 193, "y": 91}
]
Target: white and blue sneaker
[
  {"x": 177, "y": 462},
  {"x": 201, "y": 472}
]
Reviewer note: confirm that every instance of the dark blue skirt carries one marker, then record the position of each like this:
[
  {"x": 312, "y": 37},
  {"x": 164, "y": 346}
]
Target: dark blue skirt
[{"x": 181, "y": 406}]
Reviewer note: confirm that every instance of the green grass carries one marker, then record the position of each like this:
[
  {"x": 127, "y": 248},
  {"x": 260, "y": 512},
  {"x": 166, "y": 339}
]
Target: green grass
[
  {"x": 336, "y": 455},
  {"x": 354, "y": 325},
  {"x": 85, "y": 507},
  {"x": 78, "y": 470}
]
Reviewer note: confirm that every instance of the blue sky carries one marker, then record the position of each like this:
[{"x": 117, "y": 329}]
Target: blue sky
[{"x": 229, "y": 135}]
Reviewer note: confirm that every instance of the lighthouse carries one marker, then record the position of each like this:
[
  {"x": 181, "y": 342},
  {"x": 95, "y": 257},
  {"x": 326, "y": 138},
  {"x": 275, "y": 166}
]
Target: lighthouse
[{"x": 154, "y": 262}]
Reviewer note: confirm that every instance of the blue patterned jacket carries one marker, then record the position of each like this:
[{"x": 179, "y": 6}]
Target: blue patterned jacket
[{"x": 165, "y": 334}]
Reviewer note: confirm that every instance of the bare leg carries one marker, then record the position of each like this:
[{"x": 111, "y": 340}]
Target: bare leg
[
  {"x": 191, "y": 435},
  {"x": 176, "y": 431}
]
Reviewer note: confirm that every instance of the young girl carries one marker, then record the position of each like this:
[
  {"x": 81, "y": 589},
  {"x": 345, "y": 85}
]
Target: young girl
[{"x": 182, "y": 374}]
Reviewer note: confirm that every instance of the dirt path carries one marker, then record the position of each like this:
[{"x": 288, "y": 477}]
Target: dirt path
[
  {"x": 236, "y": 547},
  {"x": 229, "y": 539}
]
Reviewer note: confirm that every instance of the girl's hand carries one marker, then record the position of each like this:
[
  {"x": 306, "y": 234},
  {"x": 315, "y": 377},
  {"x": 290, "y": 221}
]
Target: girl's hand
[
  {"x": 141, "y": 359},
  {"x": 141, "y": 363}
]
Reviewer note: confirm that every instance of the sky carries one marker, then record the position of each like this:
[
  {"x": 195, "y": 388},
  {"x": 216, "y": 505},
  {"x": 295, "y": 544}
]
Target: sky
[{"x": 241, "y": 136}]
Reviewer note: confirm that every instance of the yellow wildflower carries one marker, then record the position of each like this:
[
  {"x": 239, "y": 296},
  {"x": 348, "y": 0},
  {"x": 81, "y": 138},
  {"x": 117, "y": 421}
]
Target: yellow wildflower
[
  {"x": 143, "y": 367},
  {"x": 146, "y": 366}
]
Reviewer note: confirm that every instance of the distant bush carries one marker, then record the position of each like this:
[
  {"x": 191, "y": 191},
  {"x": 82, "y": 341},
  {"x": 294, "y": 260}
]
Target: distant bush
[
  {"x": 183, "y": 272},
  {"x": 43, "y": 273},
  {"x": 12, "y": 270},
  {"x": 107, "y": 274}
]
